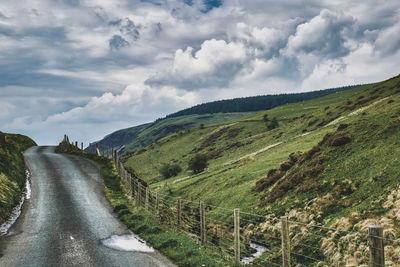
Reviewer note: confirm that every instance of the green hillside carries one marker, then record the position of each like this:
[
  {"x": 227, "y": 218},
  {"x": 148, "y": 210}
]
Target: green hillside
[
  {"x": 12, "y": 170},
  {"x": 136, "y": 138},
  {"x": 331, "y": 161},
  {"x": 256, "y": 103}
]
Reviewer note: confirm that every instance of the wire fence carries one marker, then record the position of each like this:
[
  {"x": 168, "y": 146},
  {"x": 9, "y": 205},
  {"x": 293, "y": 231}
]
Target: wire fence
[{"x": 248, "y": 238}]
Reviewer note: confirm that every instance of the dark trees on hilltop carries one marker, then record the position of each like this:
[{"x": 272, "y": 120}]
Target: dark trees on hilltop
[{"x": 254, "y": 103}]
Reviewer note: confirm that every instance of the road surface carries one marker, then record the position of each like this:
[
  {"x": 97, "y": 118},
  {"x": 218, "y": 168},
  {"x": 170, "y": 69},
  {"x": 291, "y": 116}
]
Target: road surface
[{"x": 66, "y": 219}]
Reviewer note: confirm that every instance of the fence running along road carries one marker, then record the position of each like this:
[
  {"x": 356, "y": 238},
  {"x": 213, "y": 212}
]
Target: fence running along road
[{"x": 285, "y": 240}]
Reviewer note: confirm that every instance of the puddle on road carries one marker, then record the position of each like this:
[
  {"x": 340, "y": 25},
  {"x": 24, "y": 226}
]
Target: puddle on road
[
  {"x": 127, "y": 243},
  {"x": 17, "y": 209}
]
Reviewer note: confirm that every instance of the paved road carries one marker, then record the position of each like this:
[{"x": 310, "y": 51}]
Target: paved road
[{"x": 66, "y": 218}]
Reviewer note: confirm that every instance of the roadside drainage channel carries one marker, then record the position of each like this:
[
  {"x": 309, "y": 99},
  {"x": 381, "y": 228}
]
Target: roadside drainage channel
[
  {"x": 259, "y": 251},
  {"x": 16, "y": 212},
  {"x": 127, "y": 243}
]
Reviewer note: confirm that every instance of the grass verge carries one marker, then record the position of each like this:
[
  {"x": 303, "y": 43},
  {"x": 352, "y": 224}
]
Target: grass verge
[{"x": 12, "y": 171}]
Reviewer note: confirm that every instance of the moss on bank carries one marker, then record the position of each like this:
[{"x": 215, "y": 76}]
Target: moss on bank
[{"x": 12, "y": 171}]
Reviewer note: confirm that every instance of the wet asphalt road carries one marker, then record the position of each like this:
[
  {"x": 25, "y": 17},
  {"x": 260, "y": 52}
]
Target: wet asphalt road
[{"x": 66, "y": 218}]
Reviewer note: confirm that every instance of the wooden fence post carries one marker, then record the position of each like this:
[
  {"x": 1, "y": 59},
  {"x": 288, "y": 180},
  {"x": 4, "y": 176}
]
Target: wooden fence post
[
  {"x": 82, "y": 146},
  {"x": 139, "y": 199},
  {"x": 103, "y": 150},
  {"x": 376, "y": 247},
  {"x": 76, "y": 144},
  {"x": 146, "y": 204},
  {"x": 178, "y": 212},
  {"x": 132, "y": 186},
  {"x": 129, "y": 183},
  {"x": 285, "y": 242},
  {"x": 157, "y": 206},
  {"x": 126, "y": 180},
  {"x": 97, "y": 150},
  {"x": 136, "y": 190},
  {"x": 236, "y": 224},
  {"x": 202, "y": 223}
]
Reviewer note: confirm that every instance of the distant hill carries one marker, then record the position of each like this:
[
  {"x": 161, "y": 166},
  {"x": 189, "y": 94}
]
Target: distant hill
[
  {"x": 137, "y": 137},
  {"x": 255, "y": 103}
]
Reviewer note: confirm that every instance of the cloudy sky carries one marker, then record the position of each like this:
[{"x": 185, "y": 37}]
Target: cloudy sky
[{"x": 89, "y": 67}]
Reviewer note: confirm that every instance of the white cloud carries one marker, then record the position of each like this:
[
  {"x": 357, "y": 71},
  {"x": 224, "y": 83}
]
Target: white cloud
[
  {"x": 212, "y": 56},
  {"x": 388, "y": 40},
  {"x": 355, "y": 68},
  {"x": 137, "y": 102},
  {"x": 5, "y": 109},
  {"x": 263, "y": 40},
  {"x": 324, "y": 35},
  {"x": 212, "y": 65},
  {"x": 59, "y": 72}
]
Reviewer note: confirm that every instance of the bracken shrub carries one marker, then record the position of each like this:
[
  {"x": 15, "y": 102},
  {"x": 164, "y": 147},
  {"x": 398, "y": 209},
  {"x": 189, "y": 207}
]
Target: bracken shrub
[
  {"x": 339, "y": 140},
  {"x": 198, "y": 163},
  {"x": 170, "y": 170},
  {"x": 283, "y": 186},
  {"x": 308, "y": 185},
  {"x": 120, "y": 207},
  {"x": 286, "y": 165},
  {"x": 272, "y": 177},
  {"x": 272, "y": 124},
  {"x": 309, "y": 154}
]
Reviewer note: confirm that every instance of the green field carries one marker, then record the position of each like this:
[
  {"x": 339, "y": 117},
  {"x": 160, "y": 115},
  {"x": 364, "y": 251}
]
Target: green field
[{"x": 332, "y": 161}]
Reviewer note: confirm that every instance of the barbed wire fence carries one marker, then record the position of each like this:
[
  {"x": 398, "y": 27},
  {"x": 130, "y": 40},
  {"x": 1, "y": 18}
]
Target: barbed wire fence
[{"x": 280, "y": 241}]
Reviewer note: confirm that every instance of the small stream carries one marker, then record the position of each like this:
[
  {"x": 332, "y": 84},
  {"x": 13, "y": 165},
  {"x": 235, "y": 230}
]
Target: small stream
[
  {"x": 259, "y": 251},
  {"x": 26, "y": 194}
]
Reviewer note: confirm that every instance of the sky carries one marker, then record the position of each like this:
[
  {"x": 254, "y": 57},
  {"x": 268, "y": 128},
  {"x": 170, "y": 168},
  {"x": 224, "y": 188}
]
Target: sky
[{"x": 89, "y": 67}]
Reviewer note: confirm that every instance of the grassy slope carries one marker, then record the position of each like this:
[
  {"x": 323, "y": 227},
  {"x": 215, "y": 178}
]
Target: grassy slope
[
  {"x": 253, "y": 136},
  {"x": 162, "y": 128},
  {"x": 12, "y": 170},
  {"x": 348, "y": 181},
  {"x": 135, "y": 138}
]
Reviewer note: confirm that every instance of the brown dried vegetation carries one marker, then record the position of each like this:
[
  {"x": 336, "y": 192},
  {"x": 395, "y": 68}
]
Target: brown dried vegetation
[{"x": 301, "y": 170}]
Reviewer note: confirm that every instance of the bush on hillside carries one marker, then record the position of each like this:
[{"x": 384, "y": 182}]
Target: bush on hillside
[
  {"x": 272, "y": 177},
  {"x": 170, "y": 170},
  {"x": 272, "y": 124},
  {"x": 340, "y": 140},
  {"x": 198, "y": 163}
]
